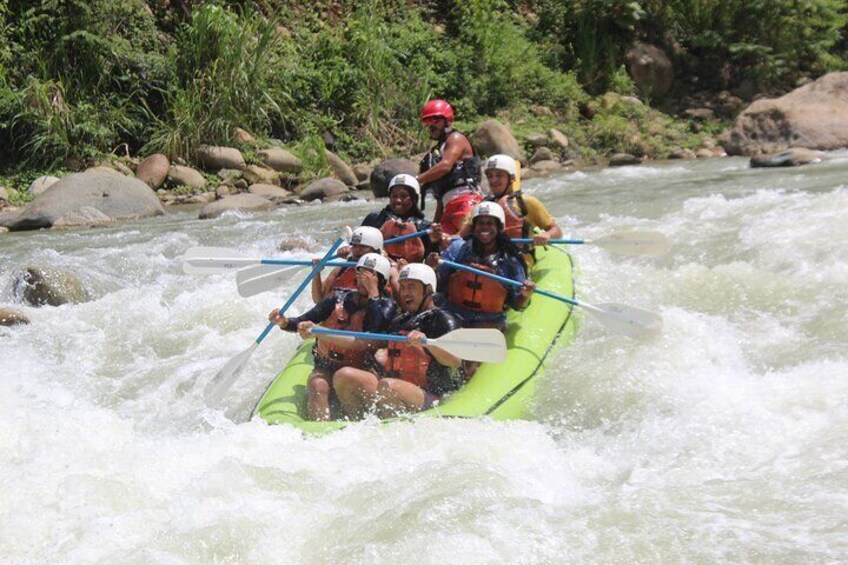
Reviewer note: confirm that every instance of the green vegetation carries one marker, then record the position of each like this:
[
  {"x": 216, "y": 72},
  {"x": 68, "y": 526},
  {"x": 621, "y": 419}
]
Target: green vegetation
[{"x": 83, "y": 79}]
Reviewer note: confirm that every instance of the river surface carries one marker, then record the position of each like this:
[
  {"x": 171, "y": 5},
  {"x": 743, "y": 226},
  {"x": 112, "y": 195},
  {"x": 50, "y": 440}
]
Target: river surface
[{"x": 723, "y": 441}]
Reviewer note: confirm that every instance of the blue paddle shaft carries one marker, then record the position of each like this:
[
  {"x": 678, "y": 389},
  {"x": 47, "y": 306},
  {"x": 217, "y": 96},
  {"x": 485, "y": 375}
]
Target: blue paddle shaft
[
  {"x": 315, "y": 270},
  {"x": 509, "y": 282},
  {"x": 402, "y": 238},
  {"x": 361, "y": 335}
]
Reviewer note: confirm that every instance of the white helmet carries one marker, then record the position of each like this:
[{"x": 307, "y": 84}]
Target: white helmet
[
  {"x": 408, "y": 181},
  {"x": 492, "y": 209},
  {"x": 375, "y": 262},
  {"x": 419, "y": 272},
  {"x": 366, "y": 235},
  {"x": 502, "y": 163}
]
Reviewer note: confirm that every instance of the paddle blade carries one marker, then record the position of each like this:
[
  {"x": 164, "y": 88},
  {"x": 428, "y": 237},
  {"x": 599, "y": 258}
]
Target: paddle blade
[
  {"x": 646, "y": 243},
  {"x": 262, "y": 278},
  {"x": 216, "y": 388},
  {"x": 473, "y": 344},
  {"x": 211, "y": 260},
  {"x": 627, "y": 320}
]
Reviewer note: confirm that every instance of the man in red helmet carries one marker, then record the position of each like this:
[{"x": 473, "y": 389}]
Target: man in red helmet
[{"x": 451, "y": 169}]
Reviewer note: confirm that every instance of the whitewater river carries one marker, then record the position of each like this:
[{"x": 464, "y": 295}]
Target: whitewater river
[{"x": 723, "y": 441}]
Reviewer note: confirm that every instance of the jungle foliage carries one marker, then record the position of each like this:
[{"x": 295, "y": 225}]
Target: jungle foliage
[{"x": 83, "y": 78}]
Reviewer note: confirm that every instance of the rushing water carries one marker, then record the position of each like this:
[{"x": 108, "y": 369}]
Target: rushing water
[{"x": 725, "y": 440}]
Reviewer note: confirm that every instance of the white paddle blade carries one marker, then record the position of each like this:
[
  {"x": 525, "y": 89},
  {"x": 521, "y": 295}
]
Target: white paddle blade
[
  {"x": 646, "y": 243},
  {"x": 216, "y": 388},
  {"x": 473, "y": 344},
  {"x": 266, "y": 277},
  {"x": 211, "y": 260},
  {"x": 627, "y": 320}
]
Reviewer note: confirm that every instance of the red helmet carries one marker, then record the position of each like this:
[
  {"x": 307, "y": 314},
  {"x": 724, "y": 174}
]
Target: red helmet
[{"x": 437, "y": 109}]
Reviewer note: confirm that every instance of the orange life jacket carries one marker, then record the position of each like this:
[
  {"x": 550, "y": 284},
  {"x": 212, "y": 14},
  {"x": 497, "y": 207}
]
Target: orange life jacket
[
  {"x": 514, "y": 213},
  {"x": 412, "y": 249},
  {"x": 476, "y": 292},
  {"x": 407, "y": 363},
  {"x": 340, "y": 319}
]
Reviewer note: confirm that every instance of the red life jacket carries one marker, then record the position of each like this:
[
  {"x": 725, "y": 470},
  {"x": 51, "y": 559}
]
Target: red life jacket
[
  {"x": 346, "y": 279},
  {"x": 476, "y": 292},
  {"x": 412, "y": 250},
  {"x": 340, "y": 319},
  {"x": 407, "y": 363}
]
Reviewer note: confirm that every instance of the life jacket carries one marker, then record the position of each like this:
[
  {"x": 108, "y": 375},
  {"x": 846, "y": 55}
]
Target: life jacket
[
  {"x": 407, "y": 363},
  {"x": 476, "y": 292},
  {"x": 515, "y": 213},
  {"x": 412, "y": 250},
  {"x": 346, "y": 279},
  {"x": 465, "y": 172},
  {"x": 340, "y": 319}
]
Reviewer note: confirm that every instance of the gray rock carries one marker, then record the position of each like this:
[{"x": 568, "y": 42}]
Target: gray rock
[
  {"x": 704, "y": 153},
  {"x": 4, "y": 194},
  {"x": 814, "y": 116},
  {"x": 41, "y": 184},
  {"x": 651, "y": 70},
  {"x": 323, "y": 189},
  {"x": 9, "y": 317},
  {"x": 559, "y": 138},
  {"x": 789, "y": 158},
  {"x": 536, "y": 139},
  {"x": 103, "y": 169},
  {"x": 492, "y": 137},
  {"x": 215, "y": 157},
  {"x": 40, "y": 286},
  {"x": 229, "y": 174},
  {"x": 686, "y": 154},
  {"x": 271, "y": 192},
  {"x": 222, "y": 191},
  {"x": 383, "y": 173},
  {"x": 242, "y": 136},
  {"x": 116, "y": 196},
  {"x": 153, "y": 170},
  {"x": 281, "y": 160},
  {"x": 546, "y": 166},
  {"x": 341, "y": 169},
  {"x": 186, "y": 176},
  {"x": 542, "y": 154},
  {"x": 254, "y": 174},
  {"x": 623, "y": 159},
  {"x": 241, "y": 202},
  {"x": 362, "y": 171}
]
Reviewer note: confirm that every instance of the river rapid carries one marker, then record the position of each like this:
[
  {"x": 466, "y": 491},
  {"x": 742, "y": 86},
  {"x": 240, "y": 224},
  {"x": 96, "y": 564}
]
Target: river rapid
[{"x": 723, "y": 441}]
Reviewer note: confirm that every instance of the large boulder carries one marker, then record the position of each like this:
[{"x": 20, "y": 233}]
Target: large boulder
[
  {"x": 814, "y": 116},
  {"x": 116, "y": 196},
  {"x": 383, "y": 173},
  {"x": 215, "y": 158},
  {"x": 153, "y": 170},
  {"x": 240, "y": 202},
  {"x": 8, "y": 216},
  {"x": 323, "y": 188},
  {"x": 85, "y": 217},
  {"x": 40, "y": 286},
  {"x": 281, "y": 160},
  {"x": 341, "y": 169},
  {"x": 651, "y": 70},
  {"x": 186, "y": 176},
  {"x": 492, "y": 137}
]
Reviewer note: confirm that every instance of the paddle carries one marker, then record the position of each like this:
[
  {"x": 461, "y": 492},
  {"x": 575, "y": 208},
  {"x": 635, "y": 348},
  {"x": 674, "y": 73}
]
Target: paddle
[
  {"x": 209, "y": 260},
  {"x": 261, "y": 278},
  {"x": 471, "y": 344},
  {"x": 224, "y": 379},
  {"x": 620, "y": 318},
  {"x": 648, "y": 243}
]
